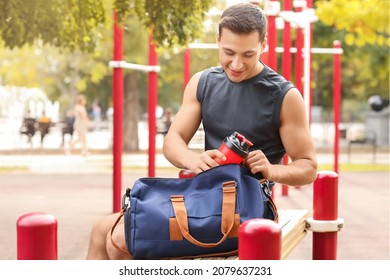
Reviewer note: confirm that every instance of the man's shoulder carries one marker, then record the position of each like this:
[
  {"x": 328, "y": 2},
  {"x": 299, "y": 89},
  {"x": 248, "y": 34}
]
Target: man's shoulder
[
  {"x": 213, "y": 69},
  {"x": 206, "y": 74},
  {"x": 217, "y": 69}
]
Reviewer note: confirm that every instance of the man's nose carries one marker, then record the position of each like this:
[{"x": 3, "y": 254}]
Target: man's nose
[{"x": 236, "y": 63}]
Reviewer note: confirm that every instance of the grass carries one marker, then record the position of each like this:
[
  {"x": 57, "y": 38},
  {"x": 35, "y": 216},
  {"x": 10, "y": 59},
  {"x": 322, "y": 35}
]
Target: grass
[
  {"x": 11, "y": 169},
  {"x": 344, "y": 167},
  {"x": 353, "y": 167}
]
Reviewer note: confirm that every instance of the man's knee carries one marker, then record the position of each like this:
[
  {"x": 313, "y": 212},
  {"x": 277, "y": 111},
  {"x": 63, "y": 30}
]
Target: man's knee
[
  {"x": 116, "y": 244},
  {"x": 103, "y": 225}
]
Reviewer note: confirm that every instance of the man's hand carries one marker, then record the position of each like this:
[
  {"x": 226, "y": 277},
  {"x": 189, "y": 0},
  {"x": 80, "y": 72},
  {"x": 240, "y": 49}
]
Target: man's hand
[
  {"x": 204, "y": 161},
  {"x": 258, "y": 162}
]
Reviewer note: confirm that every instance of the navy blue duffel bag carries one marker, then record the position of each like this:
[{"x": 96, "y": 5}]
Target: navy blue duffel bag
[{"x": 193, "y": 217}]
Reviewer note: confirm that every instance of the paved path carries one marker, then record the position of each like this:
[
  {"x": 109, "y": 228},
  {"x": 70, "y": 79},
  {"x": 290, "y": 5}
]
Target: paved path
[
  {"x": 56, "y": 161},
  {"x": 77, "y": 191}
]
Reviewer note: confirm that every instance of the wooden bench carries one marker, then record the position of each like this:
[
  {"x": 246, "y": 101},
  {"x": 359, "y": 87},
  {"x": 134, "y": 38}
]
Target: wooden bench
[{"x": 293, "y": 223}]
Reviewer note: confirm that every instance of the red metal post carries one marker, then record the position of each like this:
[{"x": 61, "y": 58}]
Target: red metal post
[
  {"x": 117, "y": 100},
  {"x": 187, "y": 66},
  {"x": 310, "y": 6},
  {"x": 286, "y": 65},
  {"x": 259, "y": 239},
  {"x": 325, "y": 208},
  {"x": 36, "y": 237},
  {"x": 272, "y": 38},
  {"x": 286, "y": 56},
  {"x": 336, "y": 103},
  {"x": 152, "y": 104},
  {"x": 264, "y": 57},
  {"x": 299, "y": 57}
]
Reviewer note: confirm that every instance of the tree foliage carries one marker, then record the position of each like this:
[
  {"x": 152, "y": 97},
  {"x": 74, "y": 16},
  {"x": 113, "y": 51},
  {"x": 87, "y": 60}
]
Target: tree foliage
[
  {"x": 365, "y": 61},
  {"x": 63, "y": 23},
  {"x": 62, "y": 72},
  {"x": 73, "y": 24},
  {"x": 366, "y": 22},
  {"x": 172, "y": 22}
]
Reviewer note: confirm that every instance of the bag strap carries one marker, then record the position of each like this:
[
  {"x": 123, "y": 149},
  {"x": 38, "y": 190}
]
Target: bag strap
[
  {"x": 227, "y": 219},
  {"x": 267, "y": 189},
  {"x": 122, "y": 212}
]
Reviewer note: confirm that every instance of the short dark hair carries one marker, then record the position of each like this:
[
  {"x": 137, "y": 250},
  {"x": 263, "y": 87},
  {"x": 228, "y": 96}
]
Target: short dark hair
[{"x": 244, "y": 18}]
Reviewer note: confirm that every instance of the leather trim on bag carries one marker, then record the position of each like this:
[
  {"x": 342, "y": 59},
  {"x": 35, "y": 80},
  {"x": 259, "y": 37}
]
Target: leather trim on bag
[
  {"x": 227, "y": 218},
  {"x": 234, "y": 231},
  {"x": 174, "y": 230}
]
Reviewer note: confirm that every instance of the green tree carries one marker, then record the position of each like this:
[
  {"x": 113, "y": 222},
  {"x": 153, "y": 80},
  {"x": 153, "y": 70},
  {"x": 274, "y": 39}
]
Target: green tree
[
  {"x": 172, "y": 22},
  {"x": 363, "y": 29},
  {"x": 62, "y": 72},
  {"x": 366, "y": 22},
  {"x": 62, "y": 23},
  {"x": 64, "y": 42},
  {"x": 79, "y": 29}
]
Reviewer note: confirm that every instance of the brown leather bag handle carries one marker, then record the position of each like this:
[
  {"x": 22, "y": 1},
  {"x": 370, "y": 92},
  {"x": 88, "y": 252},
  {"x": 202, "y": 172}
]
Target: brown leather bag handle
[{"x": 227, "y": 219}]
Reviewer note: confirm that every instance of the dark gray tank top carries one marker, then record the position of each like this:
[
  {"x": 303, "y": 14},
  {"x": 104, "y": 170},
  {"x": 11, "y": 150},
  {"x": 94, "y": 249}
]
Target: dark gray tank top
[{"x": 251, "y": 107}]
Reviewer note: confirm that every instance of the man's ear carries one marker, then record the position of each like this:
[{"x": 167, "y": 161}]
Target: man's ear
[
  {"x": 264, "y": 45},
  {"x": 218, "y": 39}
]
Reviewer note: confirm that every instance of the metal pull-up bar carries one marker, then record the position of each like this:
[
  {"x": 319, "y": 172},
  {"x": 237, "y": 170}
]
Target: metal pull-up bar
[
  {"x": 118, "y": 64},
  {"x": 126, "y": 65}
]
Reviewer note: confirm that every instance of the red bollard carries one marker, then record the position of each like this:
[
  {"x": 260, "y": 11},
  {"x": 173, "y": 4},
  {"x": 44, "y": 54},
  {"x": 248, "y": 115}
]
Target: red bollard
[
  {"x": 185, "y": 173},
  {"x": 259, "y": 239},
  {"x": 37, "y": 237},
  {"x": 325, "y": 222}
]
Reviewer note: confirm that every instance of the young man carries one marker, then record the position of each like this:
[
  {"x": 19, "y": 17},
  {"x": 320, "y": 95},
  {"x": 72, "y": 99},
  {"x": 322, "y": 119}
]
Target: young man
[
  {"x": 242, "y": 95},
  {"x": 246, "y": 96}
]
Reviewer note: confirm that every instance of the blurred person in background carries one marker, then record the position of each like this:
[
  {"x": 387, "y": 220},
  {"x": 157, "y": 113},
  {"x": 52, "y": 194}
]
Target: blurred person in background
[
  {"x": 82, "y": 124},
  {"x": 96, "y": 112},
  {"x": 28, "y": 127},
  {"x": 44, "y": 124},
  {"x": 67, "y": 126}
]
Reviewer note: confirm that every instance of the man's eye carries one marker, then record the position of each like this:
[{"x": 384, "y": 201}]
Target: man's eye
[{"x": 229, "y": 53}]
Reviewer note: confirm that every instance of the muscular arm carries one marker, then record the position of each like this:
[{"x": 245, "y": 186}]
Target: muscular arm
[
  {"x": 296, "y": 137},
  {"x": 182, "y": 129}
]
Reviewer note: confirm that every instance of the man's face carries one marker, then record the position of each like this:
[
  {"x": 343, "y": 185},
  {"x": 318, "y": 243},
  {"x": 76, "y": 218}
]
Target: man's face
[{"x": 239, "y": 54}]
